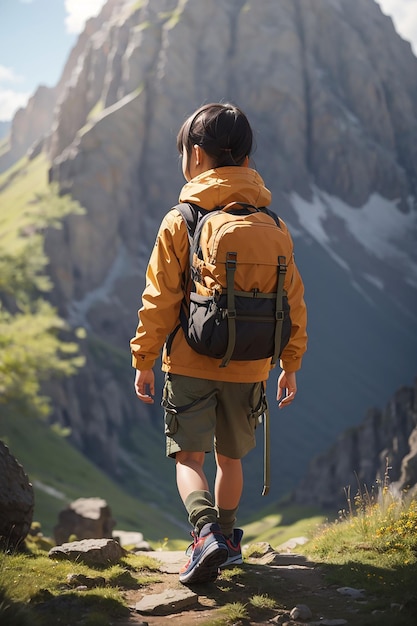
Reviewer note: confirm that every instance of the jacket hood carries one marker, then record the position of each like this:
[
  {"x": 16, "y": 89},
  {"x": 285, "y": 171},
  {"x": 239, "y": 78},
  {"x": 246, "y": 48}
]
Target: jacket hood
[{"x": 219, "y": 186}]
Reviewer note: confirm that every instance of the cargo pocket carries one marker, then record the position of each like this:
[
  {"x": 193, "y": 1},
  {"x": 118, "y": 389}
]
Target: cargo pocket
[
  {"x": 171, "y": 423},
  {"x": 170, "y": 413},
  {"x": 258, "y": 405}
]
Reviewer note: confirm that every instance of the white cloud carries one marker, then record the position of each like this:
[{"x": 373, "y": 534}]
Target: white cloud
[
  {"x": 404, "y": 16},
  {"x": 10, "y": 101},
  {"x": 78, "y": 12},
  {"x": 7, "y": 74}
]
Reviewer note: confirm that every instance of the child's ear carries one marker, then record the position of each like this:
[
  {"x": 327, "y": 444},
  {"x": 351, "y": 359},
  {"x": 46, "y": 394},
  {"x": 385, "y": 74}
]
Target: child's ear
[
  {"x": 197, "y": 154},
  {"x": 245, "y": 162}
]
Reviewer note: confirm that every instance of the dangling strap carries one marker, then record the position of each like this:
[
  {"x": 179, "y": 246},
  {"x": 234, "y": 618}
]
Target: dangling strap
[
  {"x": 267, "y": 451},
  {"x": 231, "y": 260},
  {"x": 279, "y": 313}
]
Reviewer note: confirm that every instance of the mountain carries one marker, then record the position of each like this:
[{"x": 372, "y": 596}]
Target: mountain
[
  {"x": 381, "y": 451},
  {"x": 331, "y": 92},
  {"x": 4, "y": 129}
]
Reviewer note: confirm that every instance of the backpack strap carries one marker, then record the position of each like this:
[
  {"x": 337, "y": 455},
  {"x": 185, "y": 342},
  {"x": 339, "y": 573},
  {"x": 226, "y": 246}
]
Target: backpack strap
[
  {"x": 271, "y": 214},
  {"x": 231, "y": 261},
  {"x": 279, "y": 313},
  {"x": 190, "y": 213}
]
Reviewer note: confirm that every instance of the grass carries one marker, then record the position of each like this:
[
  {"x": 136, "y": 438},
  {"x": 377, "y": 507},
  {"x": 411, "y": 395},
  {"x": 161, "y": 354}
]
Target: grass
[
  {"x": 18, "y": 186},
  {"x": 373, "y": 547},
  {"x": 263, "y": 601},
  {"x": 61, "y": 474},
  {"x": 36, "y": 589},
  {"x": 240, "y": 601},
  {"x": 282, "y": 522}
]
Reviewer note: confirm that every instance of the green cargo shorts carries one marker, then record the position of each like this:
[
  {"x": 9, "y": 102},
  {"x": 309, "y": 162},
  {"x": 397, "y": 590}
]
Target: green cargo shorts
[{"x": 202, "y": 414}]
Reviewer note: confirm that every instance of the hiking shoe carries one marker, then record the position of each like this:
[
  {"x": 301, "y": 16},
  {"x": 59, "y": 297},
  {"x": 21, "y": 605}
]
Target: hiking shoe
[
  {"x": 207, "y": 553},
  {"x": 233, "y": 548}
]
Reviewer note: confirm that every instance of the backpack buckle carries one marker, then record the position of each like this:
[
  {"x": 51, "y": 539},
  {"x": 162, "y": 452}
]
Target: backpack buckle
[
  {"x": 282, "y": 264},
  {"x": 231, "y": 260}
]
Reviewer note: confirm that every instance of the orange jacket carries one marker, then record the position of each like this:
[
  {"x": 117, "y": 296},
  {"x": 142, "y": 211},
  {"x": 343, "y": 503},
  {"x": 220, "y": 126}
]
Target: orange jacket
[{"x": 163, "y": 292}]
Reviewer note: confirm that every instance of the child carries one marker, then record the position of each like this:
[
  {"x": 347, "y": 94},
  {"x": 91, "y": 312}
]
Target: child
[{"x": 204, "y": 403}]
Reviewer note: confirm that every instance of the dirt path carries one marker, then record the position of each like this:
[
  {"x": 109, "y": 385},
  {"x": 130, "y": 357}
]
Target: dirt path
[{"x": 288, "y": 579}]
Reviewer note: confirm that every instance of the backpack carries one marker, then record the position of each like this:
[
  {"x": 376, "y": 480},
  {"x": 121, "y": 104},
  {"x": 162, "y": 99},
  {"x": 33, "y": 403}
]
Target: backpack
[{"x": 236, "y": 307}]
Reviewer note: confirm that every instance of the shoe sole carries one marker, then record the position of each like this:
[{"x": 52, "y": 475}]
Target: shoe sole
[
  {"x": 207, "y": 568},
  {"x": 234, "y": 560}
]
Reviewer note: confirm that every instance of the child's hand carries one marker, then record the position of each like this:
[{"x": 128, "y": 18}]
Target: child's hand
[
  {"x": 145, "y": 385},
  {"x": 287, "y": 388}
]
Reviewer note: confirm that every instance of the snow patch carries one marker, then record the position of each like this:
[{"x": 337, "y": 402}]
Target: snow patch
[{"x": 378, "y": 226}]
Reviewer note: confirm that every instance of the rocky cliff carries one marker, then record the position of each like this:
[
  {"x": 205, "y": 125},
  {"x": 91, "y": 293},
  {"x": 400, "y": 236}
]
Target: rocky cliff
[
  {"x": 383, "y": 447},
  {"x": 331, "y": 92}
]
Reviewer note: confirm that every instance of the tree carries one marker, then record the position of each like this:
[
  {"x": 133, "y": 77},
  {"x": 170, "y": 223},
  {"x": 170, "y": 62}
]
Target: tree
[{"x": 34, "y": 341}]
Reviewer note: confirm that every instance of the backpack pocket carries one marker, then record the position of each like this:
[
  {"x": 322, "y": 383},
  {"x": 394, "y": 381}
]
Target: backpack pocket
[
  {"x": 207, "y": 328},
  {"x": 202, "y": 328}
]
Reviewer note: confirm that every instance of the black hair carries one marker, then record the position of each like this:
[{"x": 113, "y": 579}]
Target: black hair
[{"x": 222, "y": 130}]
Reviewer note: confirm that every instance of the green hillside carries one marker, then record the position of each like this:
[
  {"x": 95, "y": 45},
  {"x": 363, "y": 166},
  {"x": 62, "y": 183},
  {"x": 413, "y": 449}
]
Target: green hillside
[
  {"x": 61, "y": 474},
  {"x": 32, "y": 351}
]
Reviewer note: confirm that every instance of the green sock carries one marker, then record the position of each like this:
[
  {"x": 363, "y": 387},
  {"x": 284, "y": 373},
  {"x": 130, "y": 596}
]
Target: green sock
[
  {"x": 200, "y": 509},
  {"x": 227, "y": 520}
]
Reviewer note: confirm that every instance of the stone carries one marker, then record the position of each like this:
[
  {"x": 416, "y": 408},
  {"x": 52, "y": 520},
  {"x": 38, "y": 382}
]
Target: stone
[
  {"x": 86, "y": 518},
  {"x": 330, "y": 622},
  {"x": 301, "y": 612},
  {"x": 134, "y": 540},
  {"x": 289, "y": 545},
  {"x": 171, "y": 560},
  {"x": 16, "y": 500},
  {"x": 351, "y": 592},
  {"x": 77, "y": 580},
  {"x": 288, "y": 559},
  {"x": 259, "y": 549},
  {"x": 89, "y": 551},
  {"x": 168, "y": 602}
]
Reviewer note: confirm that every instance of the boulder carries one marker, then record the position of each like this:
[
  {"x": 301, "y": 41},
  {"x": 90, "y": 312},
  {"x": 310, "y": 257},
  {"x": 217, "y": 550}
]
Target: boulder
[
  {"x": 89, "y": 551},
  {"x": 16, "y": 500},
  {"x": 168, "y": 602},
  {"x": 133, "y": 539},
  {"x": 86, "y": 518}
]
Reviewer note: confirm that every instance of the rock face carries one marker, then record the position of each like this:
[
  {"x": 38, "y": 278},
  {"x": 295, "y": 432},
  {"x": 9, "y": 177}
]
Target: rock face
[
  {"x": 383, "y": 447},
  {"x": 331, "y": 92},
  {"x": 29, "y": 125},
  {"x": 86, "y": 518},
  {"x": 16, "y": 500},
  {"x": 329, "y": 105}
]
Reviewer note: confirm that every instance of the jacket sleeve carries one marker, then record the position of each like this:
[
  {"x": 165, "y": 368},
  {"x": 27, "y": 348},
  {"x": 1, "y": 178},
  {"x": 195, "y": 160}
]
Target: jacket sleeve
[
  {"x": 292, "y": 354},
  {"x": 163, "y": 293}
]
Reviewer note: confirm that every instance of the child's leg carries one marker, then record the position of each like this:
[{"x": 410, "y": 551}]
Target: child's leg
[
  {"x": 193, "y": 489},
  {"x": 238, "y": 408},
  {"x": 190, "y": 474},
  {"x": 228, "y": 491}
]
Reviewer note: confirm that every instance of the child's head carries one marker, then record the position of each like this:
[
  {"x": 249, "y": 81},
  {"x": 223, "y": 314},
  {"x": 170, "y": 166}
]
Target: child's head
[{"x": 221, "y": 130}]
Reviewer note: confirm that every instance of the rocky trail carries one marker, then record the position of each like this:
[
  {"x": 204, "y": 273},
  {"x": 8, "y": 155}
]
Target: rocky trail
[{"x": 296, "y": 585}]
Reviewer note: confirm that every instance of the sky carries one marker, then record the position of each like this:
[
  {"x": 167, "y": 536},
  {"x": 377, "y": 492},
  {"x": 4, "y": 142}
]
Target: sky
[{"x": 36, "y": 37}]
